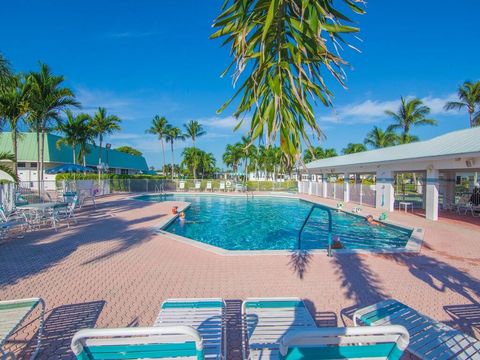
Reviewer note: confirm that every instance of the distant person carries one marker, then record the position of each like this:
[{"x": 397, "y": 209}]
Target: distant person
[
  {"x": 371, "y": 221},
  {"x": 475, "y": 198}
]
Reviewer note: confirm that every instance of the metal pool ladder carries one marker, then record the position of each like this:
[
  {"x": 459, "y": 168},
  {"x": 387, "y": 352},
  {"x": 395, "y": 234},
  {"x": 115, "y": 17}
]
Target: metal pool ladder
[{"x": 329, "y": 212}]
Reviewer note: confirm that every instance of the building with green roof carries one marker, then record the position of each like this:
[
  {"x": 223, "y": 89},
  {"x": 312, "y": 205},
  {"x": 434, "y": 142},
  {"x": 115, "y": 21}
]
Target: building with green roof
[{"x": 117, "y": 162}]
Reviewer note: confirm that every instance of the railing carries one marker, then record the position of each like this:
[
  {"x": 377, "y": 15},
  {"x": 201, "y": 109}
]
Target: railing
[{"x": 329, "y": 212}]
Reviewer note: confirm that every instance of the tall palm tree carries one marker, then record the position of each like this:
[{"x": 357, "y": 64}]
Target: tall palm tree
[
  {"x": 160, "y": 128},
  {"x": 207, "y": 163},
  {"x": 103, "y": 124},
  {"x": 411, "y": 113},
  {"x": 377, "y": 138},
  {"x": 193, "y": 130},
  {"x": 173, "y": 134},
  {"x": 316, "y": 153},
  {"x": 353, "y": 148},
  {"x": 233, "y": 155},
  {"x": 47, "y": 99},
  {"x": 191, "y": 158},
  {"x": 406, "y": 139},
  {"x": 6, "y": 156},
  {"x": 285, "y": 48},
  {"x": 13, "y": 107},
  {"x": 248, "y": 150},
  {"x": 469, "y": 98},
  {"x": 75, "y": 131}
]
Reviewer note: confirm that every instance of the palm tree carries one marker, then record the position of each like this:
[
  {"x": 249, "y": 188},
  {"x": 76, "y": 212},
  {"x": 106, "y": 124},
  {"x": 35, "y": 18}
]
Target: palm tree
[
  {"x": 47, "y": 99},
  {"x": 103, "y": 124},
  {"x": 233, "y": 155},
  {"x": 193, "y": 130},
  {"x": 75, "y": 131},
  {"x": 410, "y": 113},
  {"x": 316, "y": 153},
  {"x": 173, "y": 134},
  {"x": 207, "y": 163},
  {"x": 406, "y": 139},
  {"x": 5, "y": 72},
  {"x": 13, "y": 107},
  {"x": 248, "y": 150},
  {"x": 6, "y": 156},
  {"x": 284, "y": 47},
  {"x": 469, "y": 98},
  {"x": 377, "y": 138},
  {"x": 353, "y": 148},
  {"x": 160, "y": 128},
  {"x": 191, "y": 158}
]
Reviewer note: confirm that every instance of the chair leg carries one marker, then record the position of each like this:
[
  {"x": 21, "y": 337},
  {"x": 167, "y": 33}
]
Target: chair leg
[{"x": 40, "y": 330}]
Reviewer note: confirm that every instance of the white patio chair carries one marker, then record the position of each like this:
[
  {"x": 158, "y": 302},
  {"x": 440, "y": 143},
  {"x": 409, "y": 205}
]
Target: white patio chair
[
  {"x": 198, "y": 185},
  {"x": 181, "y": 186},
  {"x": 222, "y": 186},
  {"x": 209, "y": 186}
]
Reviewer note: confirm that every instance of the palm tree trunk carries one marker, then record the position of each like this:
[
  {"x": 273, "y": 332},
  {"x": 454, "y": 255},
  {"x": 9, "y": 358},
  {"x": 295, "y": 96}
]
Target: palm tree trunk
[
  {"x": 194, "y": 162},
  {"x": 171, "y": 145},
  {"x": 14, "y": 143},
  {"x": 38, "y": 158},
  {"x": 74, "y": 154},
  {"x": 100, "y": 138},
  {"x": 163, "y": 151},
  {"x": 471, "y": 118},
  {"x": 42, "y": 157}
]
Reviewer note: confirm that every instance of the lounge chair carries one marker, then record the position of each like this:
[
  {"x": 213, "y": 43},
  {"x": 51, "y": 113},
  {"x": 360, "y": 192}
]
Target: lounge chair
[
  {"x": 12, "y": 315},
  {"x": 429, "y": 339},
  {"x": 167, "y": 342},
  {"x": 209, "y": 186},
  {"x": 376, "y": 342},
  {"x": 198, "y": 185},
  {"x": 266, "y": 320},
  {"x": 204, "y": 315},
  {"x": 65, "y": 213},
  {"x": 11, "y": 221},
  {"x": 181, "y": 186},
  {"x": 222, "y": 186}
]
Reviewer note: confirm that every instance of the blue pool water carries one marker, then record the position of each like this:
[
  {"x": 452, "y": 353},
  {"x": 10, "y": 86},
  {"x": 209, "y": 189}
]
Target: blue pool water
[{"x": 272, "y": 223}]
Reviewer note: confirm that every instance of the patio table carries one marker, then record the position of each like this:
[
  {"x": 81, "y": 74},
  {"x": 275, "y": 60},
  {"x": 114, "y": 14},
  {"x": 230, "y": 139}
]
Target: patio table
[
  {"x": 42, "y": 211},
  {"x": 405, "y": 204}
]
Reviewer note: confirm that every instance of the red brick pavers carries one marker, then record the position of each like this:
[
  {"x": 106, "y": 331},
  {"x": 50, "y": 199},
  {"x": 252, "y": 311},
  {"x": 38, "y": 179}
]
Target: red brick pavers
[{"x": 112, "y": 270}]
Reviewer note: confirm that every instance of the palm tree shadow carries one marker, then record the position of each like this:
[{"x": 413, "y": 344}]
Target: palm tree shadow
[{"x": 299, "y": 260}]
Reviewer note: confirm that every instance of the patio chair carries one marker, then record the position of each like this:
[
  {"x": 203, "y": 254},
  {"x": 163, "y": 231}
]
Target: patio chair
[
  {"x": 206, "y": 316},
  {"x": 65, "y": 213},
  {"x": 209, "y": 186},
  {"x": 181, "y": 186},
  {"x": 429, "y": 339},
  {"x": 222, "y": 186},
  {"x": 165, "y": 342},
  {"x": 376, "y": 342},
  {"x": 11, "y": 221},
  {"x": 462, "y": 204},
  {"x": 228, "y": 185},
  {"x": 12, "y": 315},
  {"x": 198, "y": 185},
  {"x": 266, "y": 320}
]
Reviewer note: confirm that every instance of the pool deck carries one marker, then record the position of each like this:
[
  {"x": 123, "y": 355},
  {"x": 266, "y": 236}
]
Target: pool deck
[{"x": 113, "y": 269}]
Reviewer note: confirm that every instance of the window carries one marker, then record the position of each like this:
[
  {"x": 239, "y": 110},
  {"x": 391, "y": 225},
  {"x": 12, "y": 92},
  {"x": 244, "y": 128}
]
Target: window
[
  {"x": 21, "y": 164},
  {"x": 33, "y": 165},
  {"x": 124, "y": 171}
]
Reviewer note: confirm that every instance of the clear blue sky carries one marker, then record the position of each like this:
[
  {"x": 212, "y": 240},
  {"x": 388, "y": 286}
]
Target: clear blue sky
[{"x": 141, "y": 58}]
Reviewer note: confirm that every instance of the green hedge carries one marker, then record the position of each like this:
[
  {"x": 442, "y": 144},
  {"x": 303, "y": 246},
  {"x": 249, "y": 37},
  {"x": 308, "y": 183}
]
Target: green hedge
[{"x": 106, "y": 176}]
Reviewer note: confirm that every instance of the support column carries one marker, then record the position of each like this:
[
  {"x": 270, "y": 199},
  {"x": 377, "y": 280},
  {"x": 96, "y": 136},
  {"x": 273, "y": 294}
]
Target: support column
[
  {"x": 431, "y": 208},
  {"x": 449, "y": 196},
  {"x": 385, "y": 192},
  {"x": 324, "y": 186},
  {"x": 346, "y": 187}
]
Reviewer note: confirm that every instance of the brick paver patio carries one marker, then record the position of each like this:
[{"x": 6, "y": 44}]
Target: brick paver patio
[{"x": 112, "y": 270}]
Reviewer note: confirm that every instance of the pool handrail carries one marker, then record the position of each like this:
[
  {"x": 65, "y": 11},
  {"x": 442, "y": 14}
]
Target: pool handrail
[{"x": 329, "y": 212}]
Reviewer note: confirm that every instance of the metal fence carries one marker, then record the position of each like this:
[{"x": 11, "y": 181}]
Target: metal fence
[
  {"x": 362, "y": 194},
  {"x": 53, "y": 190}
]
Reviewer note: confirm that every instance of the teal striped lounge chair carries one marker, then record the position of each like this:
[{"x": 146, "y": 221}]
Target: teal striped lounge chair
[
  {"x": 207, "y": 316},
  {"x": 12, "y": 315},
  {"x": 376, "y": 342},
  {"x": 170, "y": 342},
  {"x": 267, "y": 320},
  {"x": 429, "y": 339}
]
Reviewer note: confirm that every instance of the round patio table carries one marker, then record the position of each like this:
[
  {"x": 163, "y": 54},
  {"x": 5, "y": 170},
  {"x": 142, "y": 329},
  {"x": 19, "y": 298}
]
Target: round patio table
[{"x": 40, "y": 212}]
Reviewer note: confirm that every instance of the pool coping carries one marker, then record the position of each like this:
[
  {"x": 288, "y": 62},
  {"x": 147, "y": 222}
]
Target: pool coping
[{"x": 414, "y": 244}]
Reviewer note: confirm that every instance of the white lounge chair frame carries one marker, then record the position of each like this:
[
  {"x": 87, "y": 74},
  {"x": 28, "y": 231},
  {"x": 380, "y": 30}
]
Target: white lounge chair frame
[
  {"x": 429, "y": 339},
  {"x": 11, "y": 319},
  {"x": 349, "y": 336},
  {"x": 222, "y": 186},
  {"x": 134, "y": 336},
  {"x": 209, "y": 186},
  {"x": 263, "y": 341},
  {"x": 181, "y": 186},
  {"x": 208, "y": 321},
  {"x": 198, "y": 186}
]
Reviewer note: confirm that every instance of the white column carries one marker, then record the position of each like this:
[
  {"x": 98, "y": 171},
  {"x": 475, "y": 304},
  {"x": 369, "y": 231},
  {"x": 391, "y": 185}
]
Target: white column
[
  {"x": 346, "y": 187},
  {"x": 324, "y": 186},
  {"x": 431, "y": 208},
  {"x": 385, "y": 193}
]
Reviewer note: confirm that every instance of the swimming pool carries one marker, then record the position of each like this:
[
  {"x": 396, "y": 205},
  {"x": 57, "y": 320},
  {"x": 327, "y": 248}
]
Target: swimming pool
[{"x": 272, "y": 223}]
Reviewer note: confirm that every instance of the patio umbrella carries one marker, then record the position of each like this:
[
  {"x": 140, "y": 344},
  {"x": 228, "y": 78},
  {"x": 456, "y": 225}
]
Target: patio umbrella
[{"x": 69, "y": 168}]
